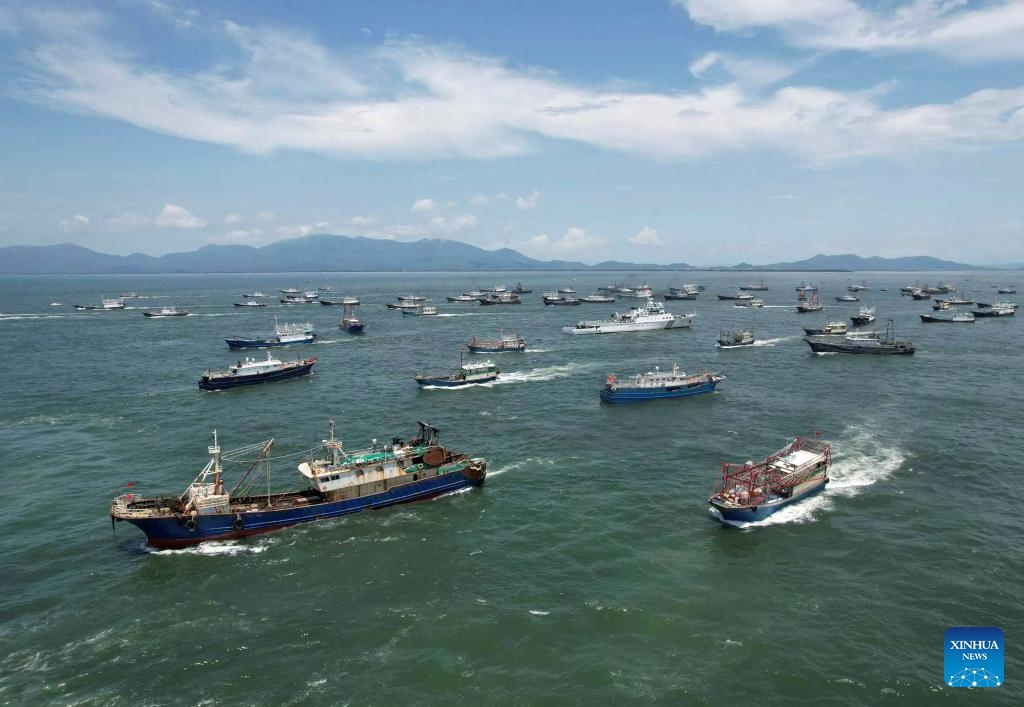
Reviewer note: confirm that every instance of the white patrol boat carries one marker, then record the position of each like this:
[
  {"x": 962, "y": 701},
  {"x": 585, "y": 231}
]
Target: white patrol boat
[{"x": 651, "y": 315}]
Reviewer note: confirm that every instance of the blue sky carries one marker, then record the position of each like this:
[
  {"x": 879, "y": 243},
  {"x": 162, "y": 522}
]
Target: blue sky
[{"x": 700, "y": 131}]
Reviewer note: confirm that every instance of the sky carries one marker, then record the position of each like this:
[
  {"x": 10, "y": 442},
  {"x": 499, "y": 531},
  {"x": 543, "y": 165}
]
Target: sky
[{"x": 699, "y": 131}]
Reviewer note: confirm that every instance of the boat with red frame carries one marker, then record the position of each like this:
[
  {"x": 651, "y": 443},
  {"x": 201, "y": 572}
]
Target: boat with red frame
[{"x": 752, "y": 491}]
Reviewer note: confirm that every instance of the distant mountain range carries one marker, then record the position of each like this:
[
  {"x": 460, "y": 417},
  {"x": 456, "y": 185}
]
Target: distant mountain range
[{"x": 328, "y": 253}]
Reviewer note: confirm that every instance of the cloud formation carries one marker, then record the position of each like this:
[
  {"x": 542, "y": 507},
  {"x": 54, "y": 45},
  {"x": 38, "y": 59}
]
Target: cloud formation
[
  {"x": 283, "y": 90},
  {"x": 528, "y": 202},
  {"x": 75, "y": 224},
  {"x": 422, "y": 205},
  {"x": 993, "y": 31},
  {"x": 646, "y": 236},
  {"x": 174, "y": 216}
]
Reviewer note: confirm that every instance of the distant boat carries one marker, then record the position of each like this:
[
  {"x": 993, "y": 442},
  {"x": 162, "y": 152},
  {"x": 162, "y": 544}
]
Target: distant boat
[
  {"x": 468, "y": 374},
  {"x": 251, "y": 371},
  {"x": 997, "y": 310},
  {"x": 520, "y": 290},
  {"x": 737, "y": 296},
  {"x": 1012, "y": 290},
  {"x": 859, "y": 288},
  {"x": 250, "y": 303},
  {"x": 736, "y": 338},
  {"x": 56, "y": 304},
  {"x": 411, "y": 298},
  {"x": 810, "y": 305},
  {"x": 955, "y": 317},
  {"x": 647, "y": 317},
  {"x": 847, "y": 298},
  {"x": 658, "y": 385},
  {"x": 560, "y": 298},
  {"x": 751, "y": 492},
  {"x": 284, "y": 335},
  {"x": 639, "y": 292},
  {"x": 464, "y": 297},
  {"x": 830, "y": 329},
  {"x": 687, "y": 291},
  {"x": 507, "y": 343},
  {"x": 345, "y": 300},
  {"x": 129, "y": 295},
  {"x": 760, "y": 286},
  {"x": 297, "y": 299},
  {"x": 500, "y": 298},
  {"x": 424, "y": 311},
  {"x": 255, "y": 295},
  {"x": 867, "y": 342},
  {"x": 865, "y": 316},
  {"x": 350, "y": 322},
  {"x": 289, "y": 291},
  {"x": 597, "y": 299},
  {"x": 755, "y": 302},
  {"x": 404, "y": 304},
  {"x": 166, "y": 312},
  {"x": 106, "y": 303}
]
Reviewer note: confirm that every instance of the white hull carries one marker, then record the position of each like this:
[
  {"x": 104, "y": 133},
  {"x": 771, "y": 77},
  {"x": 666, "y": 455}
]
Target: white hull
[{"x": 678, "y": 322}]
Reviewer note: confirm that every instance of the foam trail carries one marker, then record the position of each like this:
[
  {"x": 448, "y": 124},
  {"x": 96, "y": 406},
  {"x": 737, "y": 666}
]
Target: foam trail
[
  {"x": 463, "y": 314},
  {"x": 537, "y": 374},
  {"x": 213, "y": 548},
  {"x": 772, "y": 342}
]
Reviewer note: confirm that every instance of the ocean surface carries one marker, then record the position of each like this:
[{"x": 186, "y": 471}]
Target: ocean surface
[{"x": 588, "y": 570}]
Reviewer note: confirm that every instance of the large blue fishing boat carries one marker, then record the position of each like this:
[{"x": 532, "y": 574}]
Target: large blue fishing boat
[
  {"x": 656, "y": 385},
  {"x": 339, "y": 483},
  {"x": 751, "y": 492}
]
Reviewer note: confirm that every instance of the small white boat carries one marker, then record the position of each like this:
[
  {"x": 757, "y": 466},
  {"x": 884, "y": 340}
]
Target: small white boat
[{"x": 424, "y": 311}]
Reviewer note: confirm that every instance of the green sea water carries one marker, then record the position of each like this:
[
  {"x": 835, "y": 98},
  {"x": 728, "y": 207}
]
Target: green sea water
[{"x": 588, "y": 570}]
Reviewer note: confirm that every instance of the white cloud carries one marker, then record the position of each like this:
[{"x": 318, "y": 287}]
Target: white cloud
[
  {"x": 993, "y": 31},
  {"x": 363, "y": 220},
  {"x": 75, "y": 224},
  {"x": 541, "y": 241},
  {"x": 478, "y": 200},
  {"x": 454, "y": 224},
  {"x": 500, "y": 196},
  {"x": 265, "y": 216},
  {"x": 423, "y": 205},
  {"x": 174, "y": 216},
  {"x": 123, "y": 223},
  {"x": 303, "y": 230},
  {"x": 233, "y": 218},
  {"x": 646, "y": 236},
  {"x": 253, "y": 236},
  {"x": 365, "y": 31},
  {"x": 279, "y": 90},
  {"x": 529, "y": 201},
  {"x": 748, "y": 72},
  {"x": 575, "y": 239}
]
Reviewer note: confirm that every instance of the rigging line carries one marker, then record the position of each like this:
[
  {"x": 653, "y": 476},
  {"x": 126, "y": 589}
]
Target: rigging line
[{"x": 280, "y": 456}]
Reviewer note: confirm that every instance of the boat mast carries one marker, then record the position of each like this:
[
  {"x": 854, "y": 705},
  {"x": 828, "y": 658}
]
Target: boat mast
[{"x": 215, "y": 453}]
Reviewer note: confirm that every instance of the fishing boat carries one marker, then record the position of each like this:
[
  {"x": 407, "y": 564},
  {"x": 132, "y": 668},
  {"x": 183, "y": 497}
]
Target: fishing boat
[
  {"x": 250, "y": 303},
  {"x": 350, "y": 322},
  {"x": 468, "y": 374},
  {"x": 566, "y": 291},
  {"x": 638, "y": 292},
  {"x": 404, "y": 305},
  {"x": 649, "y": 316},
  {"x": 997, "y": 310},
  {"x": 862, "y": 342},
  {"x": 955, "y": 317},
  {"x": 106, "y": 303},
  {"x": 339, "y": 483},
  {"x": 464, "y": 297},
  {"x": 941, "y": 305},
  {"x": 284, "y": 334},
  {"x": 251, "y": 371},
  {"x": 862, "y": 287},
  {"x": 424, "y": 311},
  {"x": 920, "y": 295},
  {"x": 986, "y": 305},
  {"x": 597, "y": 299},
  {"x": 129, "y": 295},
  {"x": 507, "y": 343},
  {"x": 865, "y": 316},
  {"x": 805, "y": 288},
  {"x": 166, "y": 312},
  {"x": 289, "y": 291},
  {"x": 495, "y": 298},
  {"x": 735, "y": 338},
  {"x": 1011, "y": 290},
  {"x": 737, "y": 296},
  {"x": 687, "y": 291},
  {"x": 751, "y": 492},
  {"x": 344, "y": 301},
  {"x": 760, "y": 286},
  {"x": 847, "y": 298},
  {"x": 754, "y": 302},
  {"x": 810, "y": 305},
  {"x": 830, "y": 329},
  {"x": 658, "y": 385},
  {"x": 297, "y": 299},
  {"x": 519, "y": 289},
  {"x": 255, "y": 295},
  {"x": 411, "y": 298},
  {"x": 56, "y": 304},
  {"x": 559, "y": 298}
]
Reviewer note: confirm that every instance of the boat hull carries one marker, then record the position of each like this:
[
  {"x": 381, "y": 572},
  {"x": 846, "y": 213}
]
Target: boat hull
[
  {"x": 236, "y": 381},
  {"x": 861, "y": 321},
  {"x": 173, "y": 531},
  {"x": 353, "y": 327},
  {"x": 899, "y": 348},
  {"x": 452, "y": 382},
  {"x": 266, "y": 343},
  {"x": 616, "y": 328},
  {"x": 752, "y": 514},
  {"x": 639, "y": 395},
  {"x": 994, "y": 313},
  {"x": 496, "y": 349}
]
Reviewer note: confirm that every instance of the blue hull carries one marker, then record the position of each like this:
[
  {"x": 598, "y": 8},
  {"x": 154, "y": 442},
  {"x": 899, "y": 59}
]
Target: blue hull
[
  {"x": 173, "y": 531},
  {"x": 753, "y": 514},
  {"x": 639, "y": 395},
  {"x": 225, "y": 383},
  {"x": 263, "y": 343}
]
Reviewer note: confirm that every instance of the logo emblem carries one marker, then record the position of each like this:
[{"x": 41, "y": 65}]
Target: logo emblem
[{"x": 974, "y": 656}]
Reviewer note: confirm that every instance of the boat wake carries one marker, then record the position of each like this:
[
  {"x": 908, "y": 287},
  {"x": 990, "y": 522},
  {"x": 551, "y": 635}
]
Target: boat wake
[
  {"x": 859, "y": 463},
  {"x": 538, "y": 351},
  {"x": 772, "y": 342},
  {"x": 462, "y": 314},
  {"x": 16, "y": 317},
  {"x": 548, "y": 373},
  {"x": 213, "y": 548}
]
